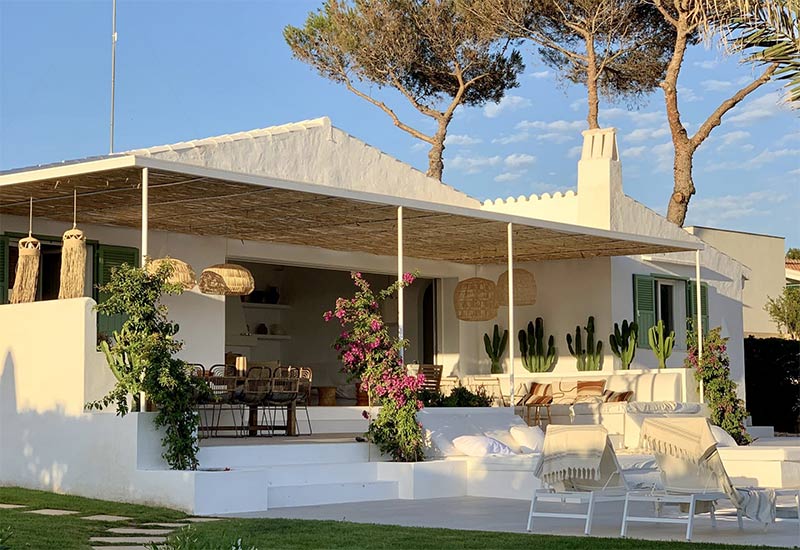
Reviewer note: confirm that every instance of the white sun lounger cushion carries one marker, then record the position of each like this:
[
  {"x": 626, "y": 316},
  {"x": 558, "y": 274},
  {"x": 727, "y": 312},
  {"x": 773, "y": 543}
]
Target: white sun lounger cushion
[
  {"x": 481, "y": 445},
  {"x": 530, "y": 439}
]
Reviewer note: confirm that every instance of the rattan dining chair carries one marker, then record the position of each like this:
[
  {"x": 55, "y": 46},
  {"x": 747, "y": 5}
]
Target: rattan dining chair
[
  {"x": 255, "y": 390},
  {"x": 304, "y": 395},
  {"x": 284, "y": 390}
]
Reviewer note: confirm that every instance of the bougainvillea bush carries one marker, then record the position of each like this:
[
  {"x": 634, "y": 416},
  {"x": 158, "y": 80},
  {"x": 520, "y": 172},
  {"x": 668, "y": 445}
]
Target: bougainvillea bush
[
  {"x": 371, "y": 355},
  {"x": 714, "y": 371}
]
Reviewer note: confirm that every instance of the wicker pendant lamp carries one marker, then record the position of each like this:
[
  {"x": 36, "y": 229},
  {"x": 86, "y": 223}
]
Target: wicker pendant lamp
[
  {"x": 182, "y": 273},
  {"x": 524, "y": 288},
  {"x": 226, "y": 280},
  {"x": 475, "y": 299},
  {"x": 27, "y": 272},
  {"x": 73, "y": 258}
]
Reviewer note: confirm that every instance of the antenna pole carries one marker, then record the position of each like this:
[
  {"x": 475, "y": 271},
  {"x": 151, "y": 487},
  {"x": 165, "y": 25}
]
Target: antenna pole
[{"x": 113, "y": 67}]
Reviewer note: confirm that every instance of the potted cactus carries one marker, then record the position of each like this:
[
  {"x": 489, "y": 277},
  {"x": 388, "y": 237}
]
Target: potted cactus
[
  {"x": 661, "y": 345},
  {"x": 590, "y": 358},
  {"x": 623, "y": 342},
  {"x": 495, "y": 348},
  {"x": 532, "y": 350}
]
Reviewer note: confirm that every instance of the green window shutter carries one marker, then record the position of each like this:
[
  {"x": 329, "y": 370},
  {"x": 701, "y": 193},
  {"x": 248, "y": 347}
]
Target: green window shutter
[
  {"x": 704, "y": 307},
  {"x": 3, "y": 269},
  {"x": 644, "y": 306},
  {"x": 691, "y": 304},
  {"x": 108, "y": 258}
]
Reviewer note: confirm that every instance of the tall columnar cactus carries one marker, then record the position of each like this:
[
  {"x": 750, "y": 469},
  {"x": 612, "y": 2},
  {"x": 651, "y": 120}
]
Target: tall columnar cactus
[
  {"x": 531, "y": 348},
  {"x": 495, "y": 348},
  {"x": 590, "y": 358},
  {"x": 623, "y": 342},
  {"x": 661, "y": 346}
]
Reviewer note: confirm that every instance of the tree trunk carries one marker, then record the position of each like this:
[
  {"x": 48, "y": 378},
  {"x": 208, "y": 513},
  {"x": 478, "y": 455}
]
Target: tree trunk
[
  {"x": 591, "y": 85},
  {"x": 684, "y": 184},
  {"x": 435, "y": 162}
]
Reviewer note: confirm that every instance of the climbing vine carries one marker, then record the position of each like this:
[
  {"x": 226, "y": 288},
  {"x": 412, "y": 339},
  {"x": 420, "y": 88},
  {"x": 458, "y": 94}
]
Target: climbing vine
[
  {"x": 142, "y": 357},
  {"x": 726, "y": 409}
]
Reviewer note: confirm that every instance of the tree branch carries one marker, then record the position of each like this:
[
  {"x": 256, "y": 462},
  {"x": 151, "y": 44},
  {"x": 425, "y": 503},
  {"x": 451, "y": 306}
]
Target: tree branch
[{"x": 385, "y": 108}]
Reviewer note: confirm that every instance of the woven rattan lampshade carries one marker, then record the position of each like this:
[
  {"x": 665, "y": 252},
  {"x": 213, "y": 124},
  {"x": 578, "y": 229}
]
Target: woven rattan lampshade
[
  {"x": 226, "y": 280},
  {"x": 182, "y": 273},
  {"x": 524, "y": 288},
  {"x": 475, "y": 299}
]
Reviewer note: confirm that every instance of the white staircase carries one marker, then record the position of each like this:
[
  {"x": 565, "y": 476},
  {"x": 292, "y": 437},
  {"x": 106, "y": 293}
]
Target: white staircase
[{"x": 305, "y": 474}]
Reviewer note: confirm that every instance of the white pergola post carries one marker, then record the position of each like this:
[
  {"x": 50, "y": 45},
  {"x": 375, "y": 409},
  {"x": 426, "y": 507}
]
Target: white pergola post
[
  {"x": 511, "y": 315},
  {"x": 400, "y": 305},
  {"x": 145, "y": 201},
  {"x": 699, "y": 306}
]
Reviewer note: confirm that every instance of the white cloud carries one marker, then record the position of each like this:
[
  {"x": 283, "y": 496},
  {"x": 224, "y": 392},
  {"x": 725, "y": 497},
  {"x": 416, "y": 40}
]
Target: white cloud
[
  {"x": 707, "y": 64},
  {"x": 732, "y": 137},
  {"x": 553, "y": 126},
  {"x": 763, "y": 158},
  {"x": 574, "y": 152},
  {"x": 793, "y": 137},
  {"x": 578, "y": 104},
  {"x": 519, "y": 159},
  {"x": 716, "y": 210},
  {"x": 645, "y": 134},
  {"x": 688, "y": 95},
  {"x": 473, "y": 164},
  {"x": 716, "y": 85},
  {"x": 634, "y": 152},
  {"x": 508, "y": 176},
  {"x": 462, "y": 139},
  {"x": 420, "y": 146},
  {"x": 662, "y": 156},
  {"x": 556, "y": 138},
  {"x": 540, "y": 74},
  {"x": 507, "y": 104},
  {"x": 512, "y": 138},
  {"x": 761, "y": 108}
]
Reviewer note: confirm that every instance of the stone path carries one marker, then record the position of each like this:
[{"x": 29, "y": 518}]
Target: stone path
[
  {"x": 52, "y": 512},
  {"x": 11, "y": 506},
  {"x": 103, "y": 517}
]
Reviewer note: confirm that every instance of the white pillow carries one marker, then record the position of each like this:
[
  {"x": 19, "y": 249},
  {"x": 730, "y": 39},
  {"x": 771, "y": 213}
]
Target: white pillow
[
  {"x": 480, "y": 445},
  {"x": 724, "y": 439},
  {"x": 504, "y": 437},
  {"x": 529, "y": 438}
]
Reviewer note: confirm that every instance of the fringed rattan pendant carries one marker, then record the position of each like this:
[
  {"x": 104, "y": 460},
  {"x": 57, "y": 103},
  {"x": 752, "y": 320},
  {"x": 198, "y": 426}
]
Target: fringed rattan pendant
[
  {"x": 73, "y": 259},
  {"x": 524, "y": 288},
  {"x": 226, "y": 280},
  {"x": 27, "y": 273},
  {"x": 182, "y": 273},
  {"x": 475, "y": 299}
]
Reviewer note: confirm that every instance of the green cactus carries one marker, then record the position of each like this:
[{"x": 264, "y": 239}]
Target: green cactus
[
  {"x": 662, "y": 347},
  {"x": 590, "y": 358},
  {"x": 623, "y": 342},
  {"x": 531, "y": 347},
  {"x": 495, "y": 348}
]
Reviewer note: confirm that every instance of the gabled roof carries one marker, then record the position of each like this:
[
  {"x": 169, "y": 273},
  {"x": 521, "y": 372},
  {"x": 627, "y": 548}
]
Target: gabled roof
[{"x": 310, "y": 151}]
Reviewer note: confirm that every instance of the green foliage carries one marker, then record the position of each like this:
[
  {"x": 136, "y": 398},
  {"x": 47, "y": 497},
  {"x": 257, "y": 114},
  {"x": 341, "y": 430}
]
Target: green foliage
[
  {"x": 188, "y": 539},
  {"x": 591, "y": 358},
  {"x": 5, "y": 535},
  {"x": 623, "y": 342},
  {"x": 495, "y": 348},
  {"x": 458, "y": 397},
  {"x": 661, "y": 345},
  {"x": 531, "y": 348},
  {"x": 142, "y": 358},
  {"x": 713, "y": 370},
  {"x": 793, "y": 254},
  {"x": 785, "y": 311}
]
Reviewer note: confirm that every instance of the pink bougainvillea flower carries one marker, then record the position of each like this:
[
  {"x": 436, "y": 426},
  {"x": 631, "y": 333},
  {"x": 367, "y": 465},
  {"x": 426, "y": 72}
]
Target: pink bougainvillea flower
[{"x": 408, "y": 278}]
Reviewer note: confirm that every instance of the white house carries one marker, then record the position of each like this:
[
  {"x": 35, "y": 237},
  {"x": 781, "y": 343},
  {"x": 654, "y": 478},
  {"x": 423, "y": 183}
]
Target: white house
[{"x": 301, "y": 205}]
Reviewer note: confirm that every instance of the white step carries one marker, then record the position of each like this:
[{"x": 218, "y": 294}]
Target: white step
[
  {"x": 761, "y": 432},
  {"x": 236, "y": 456},
  {"x": 315, "y": 474},
  {"x": 330, "y": 493}
]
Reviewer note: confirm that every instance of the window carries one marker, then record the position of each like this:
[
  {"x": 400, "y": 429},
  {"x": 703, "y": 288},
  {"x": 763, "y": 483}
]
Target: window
[{"x": 666, "y": 299}]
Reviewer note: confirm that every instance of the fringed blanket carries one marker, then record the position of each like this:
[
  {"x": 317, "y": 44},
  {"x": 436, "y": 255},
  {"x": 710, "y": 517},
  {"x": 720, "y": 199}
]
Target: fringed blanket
[
  {"x": 572, "y": 452},
  {"x": 689, "y": 439}
]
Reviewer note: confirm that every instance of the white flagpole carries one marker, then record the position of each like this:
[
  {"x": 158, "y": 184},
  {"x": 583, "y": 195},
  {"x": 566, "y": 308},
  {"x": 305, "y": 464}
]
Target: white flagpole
[{"x": 113, "y": 70}]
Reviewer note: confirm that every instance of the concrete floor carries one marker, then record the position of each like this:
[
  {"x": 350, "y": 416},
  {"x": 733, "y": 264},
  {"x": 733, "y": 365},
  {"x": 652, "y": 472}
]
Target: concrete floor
[{"x": 492, "y": 514}]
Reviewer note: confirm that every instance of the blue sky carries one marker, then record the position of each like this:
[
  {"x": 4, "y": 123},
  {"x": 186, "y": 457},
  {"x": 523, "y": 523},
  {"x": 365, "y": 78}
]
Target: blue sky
[{"x": 191, "y": 69}]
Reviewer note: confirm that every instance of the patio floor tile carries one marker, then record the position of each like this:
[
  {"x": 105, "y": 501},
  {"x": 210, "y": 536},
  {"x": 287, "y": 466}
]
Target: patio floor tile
[
  {"x": 139, "y": 531},
  {"x": 127, "y": 540},
  {"x": 52, "y": 512},
  {"x": 104, "y": 517},
  {"x": 11, "y": 506}
]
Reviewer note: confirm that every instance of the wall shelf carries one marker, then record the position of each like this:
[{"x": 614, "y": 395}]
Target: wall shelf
[
  {"x": 274, "y": 337},
  {"x": 255, "y": 305}
]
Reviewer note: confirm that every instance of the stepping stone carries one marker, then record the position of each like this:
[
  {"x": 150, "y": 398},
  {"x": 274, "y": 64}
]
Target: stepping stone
[
  {"x": 172, "y": 525},
  {"x": 126, "y": 547},
  {"x": 52, "y": 512},
  {"x": 11, "y": 506},
  {"x": 128, "y": 540},
  {"x": 202, "y": 520},
  {"x": 139, "y": 531},
  {"x": 103, "y": 517}
]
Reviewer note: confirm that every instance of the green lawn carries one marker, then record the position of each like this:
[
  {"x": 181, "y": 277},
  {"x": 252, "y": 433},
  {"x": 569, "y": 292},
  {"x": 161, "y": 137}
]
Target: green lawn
[{"x": 71, "y": 532}]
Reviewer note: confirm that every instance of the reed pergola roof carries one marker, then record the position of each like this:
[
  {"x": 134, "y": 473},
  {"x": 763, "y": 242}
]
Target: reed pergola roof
[{"x": 209, "y": 202}]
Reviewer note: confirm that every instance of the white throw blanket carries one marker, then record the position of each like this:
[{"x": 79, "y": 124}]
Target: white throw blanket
[
  {"x": 572, "y": 452},
  {"x": 699, "y": 467}
]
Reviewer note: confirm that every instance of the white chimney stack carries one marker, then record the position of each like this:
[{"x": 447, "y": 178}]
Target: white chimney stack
[{"x": 599, "y": 177}]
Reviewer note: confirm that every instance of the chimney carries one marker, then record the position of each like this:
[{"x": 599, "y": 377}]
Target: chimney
[{"x": 599, "y": 177}]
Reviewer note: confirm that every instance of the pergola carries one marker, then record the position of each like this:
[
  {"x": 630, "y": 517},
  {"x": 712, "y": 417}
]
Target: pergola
[{"x": 148, "y": 193}]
